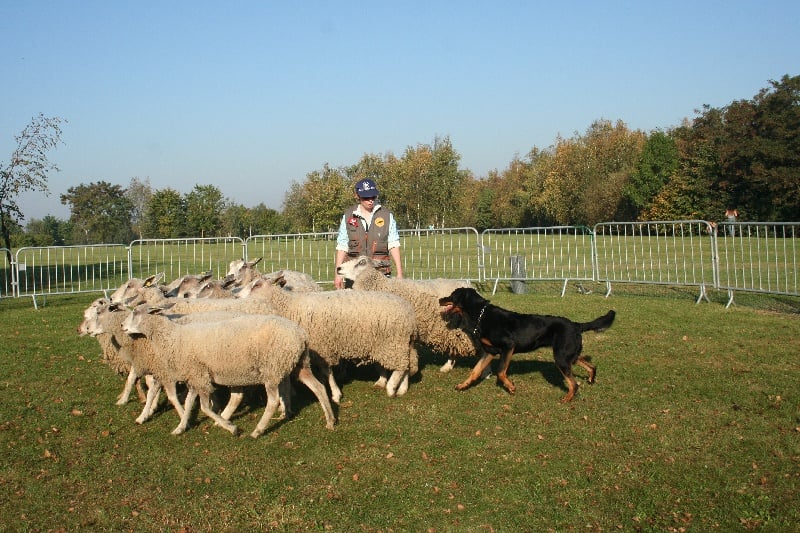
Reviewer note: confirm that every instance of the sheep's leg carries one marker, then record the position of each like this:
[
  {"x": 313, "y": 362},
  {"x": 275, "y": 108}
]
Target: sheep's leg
[
  {"x": 394, "y": 382},
  {"x": 172, "y": 396},
  {"x": 123, "y": 398},
  {"x": 273, "y": 400},
  {"x": 187, "y": 410},
  {"x": 285, "y": 395},
  {"x": 150, "y": 403},
  {"x": 307, "y": 378},
  {"x": 205, "y": 406},
  {"x": 237, "y": 393},
  {"x": 448, "y": 366},
  {"x": 336, "y": 392},
  {"x": 382, "y": 380},
  {"x": 403, "y": 387},
  {"x": 140, "y": 392}
]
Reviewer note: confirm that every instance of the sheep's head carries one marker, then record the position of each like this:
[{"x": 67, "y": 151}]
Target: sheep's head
[
  {"x": 259, "y": 287},
  {"x": 94, "y": 317},
  {"x": 130, "y": 289},
  {"x": 90, "y": 316},
  {"x": 243, "y": 271},
  {"x": 352, "y": 268},
  {"x": 187, "y": 286},
  {"x": 133, "y": 323}
]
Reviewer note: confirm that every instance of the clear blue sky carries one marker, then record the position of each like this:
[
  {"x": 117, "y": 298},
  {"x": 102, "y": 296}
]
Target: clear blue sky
[{"x": 250, "y": 96}]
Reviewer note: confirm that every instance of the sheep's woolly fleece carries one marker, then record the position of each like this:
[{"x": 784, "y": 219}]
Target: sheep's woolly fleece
[
  {"x": 432, "y": 328},
  {"x": 257, "y": 349},
  {"x": 245, "y": 272},
  {"x": 348, "y": 324}
]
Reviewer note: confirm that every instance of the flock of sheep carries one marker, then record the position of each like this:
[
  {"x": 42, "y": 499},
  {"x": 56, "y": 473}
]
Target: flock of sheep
[{"x": 267, "y": 329}]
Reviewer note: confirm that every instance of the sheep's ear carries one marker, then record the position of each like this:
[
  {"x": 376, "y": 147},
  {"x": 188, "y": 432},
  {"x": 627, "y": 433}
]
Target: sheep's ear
[
  {"x": 228, "y": 281},
  {"x": 159, "y": 277},
  {"x": 149, "y": 280},
  {"x": 279, "y": 279},
  {"x": 159, "y": 309},
  {"x": 205, "y": 275},
  {"x": 381, "y": 264},
  {"x": 254, "y": 262}
]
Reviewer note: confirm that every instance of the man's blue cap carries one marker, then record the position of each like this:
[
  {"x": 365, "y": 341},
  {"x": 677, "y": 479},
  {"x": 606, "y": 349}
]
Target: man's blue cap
[{"x": 366, "y": 188}]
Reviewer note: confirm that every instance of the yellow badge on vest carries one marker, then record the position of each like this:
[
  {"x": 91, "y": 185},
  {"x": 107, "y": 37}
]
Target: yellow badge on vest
[{"x": 380, "y": 222}]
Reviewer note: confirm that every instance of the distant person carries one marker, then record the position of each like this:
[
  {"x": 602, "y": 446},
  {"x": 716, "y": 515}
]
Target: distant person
[
  {"x": 367, "y": 228},
  {"x": 731, "y": 214}
]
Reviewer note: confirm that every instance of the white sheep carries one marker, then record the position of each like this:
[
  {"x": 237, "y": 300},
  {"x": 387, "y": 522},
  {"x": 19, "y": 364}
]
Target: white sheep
[
  {"x": 432, "y": 328},
  {"x": 216, "y": 288},
  {"x": 241, "y": 351},
  {"x": 103, "y": 320},
  {"x": 130, "y": 288},
  {"x": 110, "y": 350},
  {"x": 351, "y": 325},
  {"x": 187, "y": 286},
  {"x": 245, "y": 272}
]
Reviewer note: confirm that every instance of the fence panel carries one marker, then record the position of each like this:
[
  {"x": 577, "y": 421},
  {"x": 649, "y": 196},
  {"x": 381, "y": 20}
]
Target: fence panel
[
  {"x": 7, "y": 274},
  {"x": 556, "y": 253},
  {"x": 759, "y": 257},
  {"x": 662, "y": 252},
  {"x": 179, "y": 257},
  {"x": 453, "y": 253},
  {"x": 311, "y": 253},
  {"x": 49, "y": 270}
]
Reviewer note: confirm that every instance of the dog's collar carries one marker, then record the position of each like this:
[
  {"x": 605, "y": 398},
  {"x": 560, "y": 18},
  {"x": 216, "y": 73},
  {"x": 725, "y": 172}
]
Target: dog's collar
[{"x": 478, "y": 323}]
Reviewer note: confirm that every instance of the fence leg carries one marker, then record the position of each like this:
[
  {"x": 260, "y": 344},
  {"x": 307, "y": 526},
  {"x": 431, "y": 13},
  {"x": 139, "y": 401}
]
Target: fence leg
[
  {"x": 494, "y": 289},
  {"x": 518, "y": 271},
  {"x": 703, "y": 295},
  {"x": 608, "y": 289},
  {"x": 564, "y": 288},
  {"x": 730, "y": 299}
]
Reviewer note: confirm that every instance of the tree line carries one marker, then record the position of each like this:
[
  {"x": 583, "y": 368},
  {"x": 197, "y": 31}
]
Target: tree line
[{"x": 745, "y": 155}]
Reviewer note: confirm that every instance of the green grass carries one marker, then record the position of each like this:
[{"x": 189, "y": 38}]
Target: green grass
[{"x": 693, "y": 424}]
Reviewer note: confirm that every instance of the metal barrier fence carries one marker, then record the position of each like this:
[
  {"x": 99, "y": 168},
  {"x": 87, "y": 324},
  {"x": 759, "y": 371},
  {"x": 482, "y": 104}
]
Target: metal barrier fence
[
  {"x": 7, "y": 275},
  {"x": 310, "y": 253},
  {"x": 45, "y": 271},
  {"x": 178, "y": 257},
  {"x": 758, "y": 257},
  {"x": 747, "y": 256},
  {"x": 450, "y": 252},
  {"x": 453, "y": 253},
  {"x": 556, "y": 253},
  {"x": 663, "y": 252}
]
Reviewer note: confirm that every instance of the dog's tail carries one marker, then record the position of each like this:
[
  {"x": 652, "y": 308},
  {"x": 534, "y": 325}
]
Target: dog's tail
[{"x": 600, "y": 323}]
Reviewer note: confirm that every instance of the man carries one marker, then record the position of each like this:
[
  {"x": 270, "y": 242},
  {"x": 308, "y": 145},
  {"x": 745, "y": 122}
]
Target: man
[{"x": 367, "y": 228}]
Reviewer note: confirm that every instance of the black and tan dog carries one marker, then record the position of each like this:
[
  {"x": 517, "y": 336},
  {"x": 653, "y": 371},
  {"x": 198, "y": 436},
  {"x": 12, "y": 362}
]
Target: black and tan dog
[{"x": 504, "y": 333}]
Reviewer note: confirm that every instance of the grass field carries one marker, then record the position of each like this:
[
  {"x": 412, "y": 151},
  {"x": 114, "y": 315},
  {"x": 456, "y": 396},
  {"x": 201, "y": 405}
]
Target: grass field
[{"x": 693, "y": 424}]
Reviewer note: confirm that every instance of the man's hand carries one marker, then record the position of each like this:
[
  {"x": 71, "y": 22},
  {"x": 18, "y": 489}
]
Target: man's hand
[{"x": 338, "y": 281}]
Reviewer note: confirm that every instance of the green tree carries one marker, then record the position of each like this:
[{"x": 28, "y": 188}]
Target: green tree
[
  {"x": 204, "y": 207},
  {"x": 165, "y": 216},
  {"x": 49, "y": 231},
  {"x": 419, "y": 187},
  {"x": 759, "y": 153},
  {"x": 657, "y": 163},
  {"x": 484, "y": 217},
  {"x": 27, "y": 170},
  {"x": 99, "y": 212},
  {"x": 318, "y": 203},
  {"x": 587, "y": 174},
  {"x": 139, "y": 194}
]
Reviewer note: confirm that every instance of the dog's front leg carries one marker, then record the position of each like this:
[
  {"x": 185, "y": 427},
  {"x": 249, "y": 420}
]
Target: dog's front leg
[
  {"x": 502, "y": 374},
  {"x": 477, "y": 371}
]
